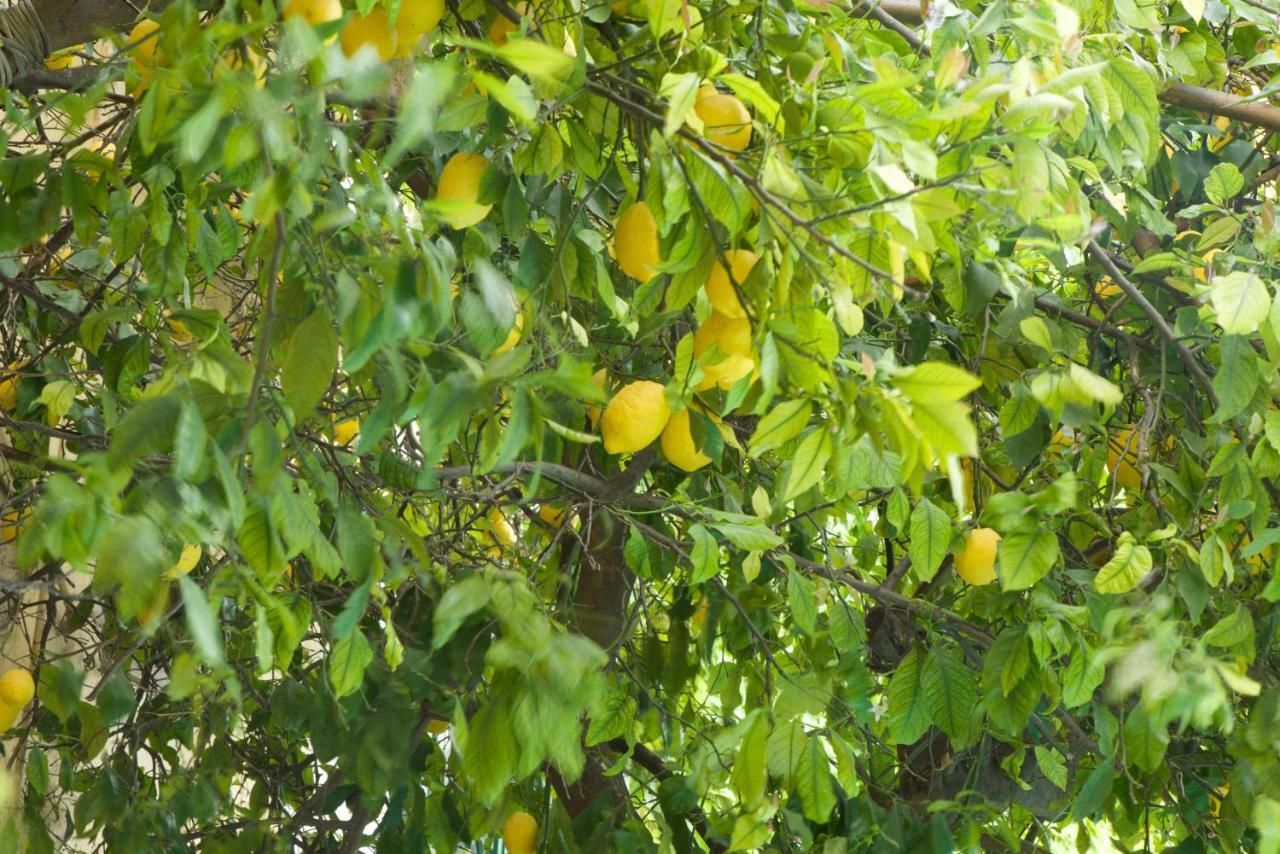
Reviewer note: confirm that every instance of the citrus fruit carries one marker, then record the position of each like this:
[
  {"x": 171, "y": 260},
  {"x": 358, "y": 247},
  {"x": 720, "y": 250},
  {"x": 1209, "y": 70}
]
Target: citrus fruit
[
  {"x": 598, "y": 379},
  {"x": 678, "y": 445},
  {"x": 11, "y": 523},
  {"x": 513, "y": 337},
  {"x": 62, "y": 59},
  {"x": 720, "y": 289},
  {"x": 460, "y": 187},
  {"x": 345, "y": 430},
  {"x": 17, "y": 688},
  {"x": 144, "y": 53},
  {"x": 725, "y": 120},
  {"x": 976, "y": 562},
  {"x": 416, "y": 19},
  {"x": 726, "y": 372},
  {"x": 502, "y": 27},
  {"x": 8, "y": 716},
  {"x": 435, "y": 727},
  {"x": 1122, "y": 454},
  {"x": 731, "y": 334},
  {"x": 8, "y": 392},
  {"x": 500, "y": 529},
  {"x": 187, "y": 561},
  {"x": 520, "y": 833},
  {"x": 1106, "y": 288},
  {"x": 635, "y": 242},
  {"x": 634, "y": 417},
  {"x": 552, "y": 514},
  {"x": 372, "y": 30},
  {"x": 314, "y": 11}
]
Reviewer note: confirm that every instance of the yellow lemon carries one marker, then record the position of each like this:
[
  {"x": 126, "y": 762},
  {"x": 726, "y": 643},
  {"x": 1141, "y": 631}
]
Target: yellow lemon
[
  {"x": 1105, "y": 288},
  {"x": 500, "y": 529},
  {"x": 371, "y": 30},
  {"x": 634, "y": 417},
  {"x": 502, "y": 27},
  {"x": 62, "y": 59},
  {"x": 460, "y": 187},
  {"x": 17, "y": 688},
  {"x": 678, "y": 445},
  {"x": 513, "y": 337},
  {"x": 416, "y": 19},
  {"x": 11, "y": 523},
  {"x": 726, "y": 372},
  {"x": 1122, "y": 454},
  {"x": 635, "y": 242},
  {"x": 731, "y": 334},
  {"x": 598, "y": 379},
  {"x": 520, "y": 833},
  {"x": 144, "y": 53},
  {"x": 552, "y": 514},
  {"x": 976, "y": 562},
  {"x": 719, "y": 287},
  {"x": 9, "y": 392},
  {"x": 191, "y": 554},
  {"x": 8, "y": 716},
  {"x": 314, "y": 11},
  {"x": 725, "y": 120},
  {"x": 435, "y": 727},
  {"x": 345, "y": 430}
]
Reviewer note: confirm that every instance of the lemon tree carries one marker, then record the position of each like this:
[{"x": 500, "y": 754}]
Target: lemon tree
[{"x": 639, "y": 426}]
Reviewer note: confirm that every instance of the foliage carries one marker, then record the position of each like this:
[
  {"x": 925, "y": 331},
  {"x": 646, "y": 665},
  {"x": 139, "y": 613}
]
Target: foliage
[{"x": 989, "y": 281}]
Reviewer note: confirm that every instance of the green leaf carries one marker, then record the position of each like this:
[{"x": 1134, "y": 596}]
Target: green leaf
[
  {"x": 1052, "y": 765},
  {"x": 931, "y": 536},
  {"x": 347, "y": 663},
  {"x": 1128, "y": 565},
  {"x": 1222, "y": 183},
  {"x": 802, "y": 599},
  {"x": 1145, "y": 741},
  {"x": 809, "y": 463},
  {"x": 145, "y": 429},
  {"x": 812, "y": 778},
  {"x": 909, "y": 714},
  {"x": 458, "y": 603},
  {"x": 779, "y": 425},
  {"x": 750, "y": 773},
  {"x": 750, "y": 91},
  {"x": 1025, "y": 557},
  {"x": 680, "y": 92},
  {"x": 935, "y": 381},
  {"x": 1082, "y": 677},
  {"x": 946, "y": 426},
  {"x": 310, "y": 363},
  {"x": 752, "y": 538},
  {"x": 1095, "y": 791},
  {"x": 1240, "y": 300},
  {"x": 200, "y": 621},
  {"x": 704, "y": 555},
  {"x": 951, "y": 697}
]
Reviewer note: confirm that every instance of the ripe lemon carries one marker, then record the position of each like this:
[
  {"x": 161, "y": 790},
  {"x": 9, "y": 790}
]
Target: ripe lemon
[
  {"x": 416, "y": 19},
  {"x": 500, "y": 529},
  {"x": 62, "y": 59},
  {"x": 976, "y": 562},
  {"x": 678, "y": 445},
  {"x": 314, "y": 11},
  {"x": 144, "y": 53},
  {"x": 371, "y": 30},
  {"x": 731, "y": 334},
  {"x": 720, "y": 290},
  {"x": 345, "y": 430},
  {"x": 635, "y": 242},
  {"x": 502, "y": 27},
  {"x": 552, "y": 514},
  {"x": 17, "y": 688},
  {"x": 725, "y": 120},
  {"x": 8, "y": 392},
  {"x": 435, "y": 727},
  {"x": 593, "y": 412},
  {"x": 726, "y": 372},
  {"x": 11, "y": 523},
  {"x": 1105, "y": 288},
  {"x": 187, "y": 561},
  {"x": 1122, "y": 453},
  {"x": 520, "y": 833},
  {"x": 634, "y": 417},
  {"x": 8, "y": 716},
  {"x": 460, "y": 186},
  {"x": 513, "y": 337}
]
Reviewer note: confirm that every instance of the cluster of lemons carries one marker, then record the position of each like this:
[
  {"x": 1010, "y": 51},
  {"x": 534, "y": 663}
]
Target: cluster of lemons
[
  {"x": 17, "y": 689},
  {"x": 639, "y": 413}
]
